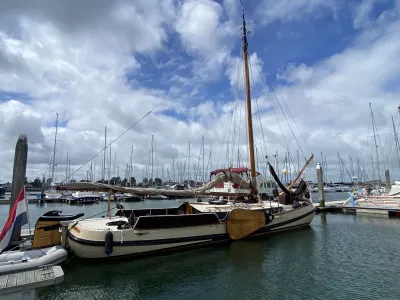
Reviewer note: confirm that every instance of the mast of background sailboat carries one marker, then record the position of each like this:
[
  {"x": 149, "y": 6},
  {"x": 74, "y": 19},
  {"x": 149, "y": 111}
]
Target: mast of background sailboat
[
  {"x": 376, "y": 146},
  {"x": 173, "y": 170},
  {"x": 323, "y": 168},
  {"x": 109, "y": 168},
  {"x": 396, "y": 140},
  {"x": 203, "y": 171},
  {"x": 248, "y": 104},
  {"x": 103, "y": 175},
  {"x": 115, "y": 166},
  {"x": 66, "y": 168},
  {"x": 372, "y": 168},
  {"x": 54, "y": 151},
  {"x": 152, "y": 144},
  {"x": 130, "y": 169},
  {"x": 189, "y": 174}
]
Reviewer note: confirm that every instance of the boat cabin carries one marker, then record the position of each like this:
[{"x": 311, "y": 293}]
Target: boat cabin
[{"x": 229, "y": 189}]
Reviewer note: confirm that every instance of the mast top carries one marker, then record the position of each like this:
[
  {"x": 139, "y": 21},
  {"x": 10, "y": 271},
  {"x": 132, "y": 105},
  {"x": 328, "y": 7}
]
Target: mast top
[{"x": 245, "y": 44}]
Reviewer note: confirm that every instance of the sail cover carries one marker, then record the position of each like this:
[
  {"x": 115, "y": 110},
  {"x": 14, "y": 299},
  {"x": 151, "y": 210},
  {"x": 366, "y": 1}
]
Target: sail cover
[{"x": 221, "y": 177}]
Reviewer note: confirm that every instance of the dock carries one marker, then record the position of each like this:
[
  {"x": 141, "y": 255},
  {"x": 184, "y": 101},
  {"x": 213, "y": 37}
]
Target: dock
[
  {"x": 337, "y": 206},
  {"x": 36, "y": 200},
  {"x": 330, "y": 206},
  {"x": 24, "y": 285}
]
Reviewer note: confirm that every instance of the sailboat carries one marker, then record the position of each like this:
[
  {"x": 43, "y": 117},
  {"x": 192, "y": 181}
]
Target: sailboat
[
  {"x": 52, "y": 193},
  {"x": 147, "y": 231}
]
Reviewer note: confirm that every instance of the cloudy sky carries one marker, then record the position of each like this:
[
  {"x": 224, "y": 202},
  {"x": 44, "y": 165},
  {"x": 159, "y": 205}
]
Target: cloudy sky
[{"x": 315, "y": 67}]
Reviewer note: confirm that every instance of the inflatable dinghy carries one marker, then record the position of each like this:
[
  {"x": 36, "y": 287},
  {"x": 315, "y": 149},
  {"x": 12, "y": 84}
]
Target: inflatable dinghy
[{"x": 18, "y": 261}]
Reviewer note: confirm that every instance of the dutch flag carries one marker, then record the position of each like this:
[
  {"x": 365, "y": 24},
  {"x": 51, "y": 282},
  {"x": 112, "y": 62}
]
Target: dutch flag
[{"x": 17, "y": 217}]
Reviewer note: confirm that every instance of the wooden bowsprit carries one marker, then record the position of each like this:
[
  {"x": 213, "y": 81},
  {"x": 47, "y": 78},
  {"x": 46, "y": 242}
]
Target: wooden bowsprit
[{"x": 243, "y": 222}]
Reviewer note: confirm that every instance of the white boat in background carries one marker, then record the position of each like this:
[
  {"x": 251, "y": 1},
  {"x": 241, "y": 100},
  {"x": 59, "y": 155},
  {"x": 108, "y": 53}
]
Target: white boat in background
[
  {"x": 85, "y": 197},
  {"x": 156, "y": 197},
  {"x": 343, "y": 188},
  {"x": 78, "y": 194},
  {"x": 329, "y": 189},
  {"x": 52, "y": 194}
]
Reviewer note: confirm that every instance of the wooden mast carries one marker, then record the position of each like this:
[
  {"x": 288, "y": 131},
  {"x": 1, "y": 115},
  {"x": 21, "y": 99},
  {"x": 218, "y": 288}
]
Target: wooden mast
[{"x": 248, "y": 104}]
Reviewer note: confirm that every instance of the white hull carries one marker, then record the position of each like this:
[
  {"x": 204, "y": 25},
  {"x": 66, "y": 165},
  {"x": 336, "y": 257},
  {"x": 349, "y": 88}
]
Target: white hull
[
  {"x": 54, "y": 196},
  {"x": 87, "y": 238},
  {"x": 80, "y": 194},
  {"x": 19, "y": 261},
  {"x": 149, "y": 238}
]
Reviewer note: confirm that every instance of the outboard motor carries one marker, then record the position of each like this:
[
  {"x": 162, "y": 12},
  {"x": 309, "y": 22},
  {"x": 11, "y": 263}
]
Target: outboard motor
[
  {"x": 47, "y": 228},
  {"x": 109, "y": 243}
]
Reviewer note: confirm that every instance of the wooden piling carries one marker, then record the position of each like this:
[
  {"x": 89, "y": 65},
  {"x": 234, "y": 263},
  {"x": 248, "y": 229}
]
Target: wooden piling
[
  {"x": 42, "y": 190},
  {"x": 64, "y": 231},
  {"x": 387, "y": 177},
  {"x": 19, "y": 173},
  {"x": 320, "y": 181}
]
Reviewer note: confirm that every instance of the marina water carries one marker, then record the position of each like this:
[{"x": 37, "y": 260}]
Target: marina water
[{"x": 340, "y": 256}]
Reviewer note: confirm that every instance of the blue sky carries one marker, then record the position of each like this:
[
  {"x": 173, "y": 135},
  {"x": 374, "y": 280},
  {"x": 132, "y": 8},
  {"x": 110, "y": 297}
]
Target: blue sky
[{"x": 109, "y": 63}]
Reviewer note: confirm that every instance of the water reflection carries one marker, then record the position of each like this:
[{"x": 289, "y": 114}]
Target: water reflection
[{"x": 323, "y": 218}]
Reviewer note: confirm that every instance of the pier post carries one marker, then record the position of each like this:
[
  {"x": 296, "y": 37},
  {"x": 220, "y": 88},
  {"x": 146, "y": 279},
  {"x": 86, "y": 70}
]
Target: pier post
[
  {"x": 387, "y": 177},
  {"x": 64, "y": 231},
  {"x": 19, "y": 172},
  {"x": 320, "y": 181},
  {"x": 42, "y": 190}
]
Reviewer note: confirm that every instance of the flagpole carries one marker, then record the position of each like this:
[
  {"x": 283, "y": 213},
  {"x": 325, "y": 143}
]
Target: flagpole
[{"x": 27, "y": 213}]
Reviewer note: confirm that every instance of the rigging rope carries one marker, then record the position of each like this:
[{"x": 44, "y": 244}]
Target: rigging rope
[
  {"x": 230, "y": 120},
  {"x": 282, "y": 112},
  {"x": 148, "y": 113},
  {"x": 239, "y": 108},
  {"x": 258, "y": 115},
  {"x": 290, "y": 113}
]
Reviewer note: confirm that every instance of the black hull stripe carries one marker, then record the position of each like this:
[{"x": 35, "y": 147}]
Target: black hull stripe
[
  {"x": 200, "y": 239},
  {"x": 151, "y": 242}
]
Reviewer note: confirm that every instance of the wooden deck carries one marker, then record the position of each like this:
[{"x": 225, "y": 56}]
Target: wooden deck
[{"x": 12, "y": 285}]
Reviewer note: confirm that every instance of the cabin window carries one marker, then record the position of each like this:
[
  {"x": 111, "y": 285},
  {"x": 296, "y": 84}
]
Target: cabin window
[{"x": 269, "y": 185}]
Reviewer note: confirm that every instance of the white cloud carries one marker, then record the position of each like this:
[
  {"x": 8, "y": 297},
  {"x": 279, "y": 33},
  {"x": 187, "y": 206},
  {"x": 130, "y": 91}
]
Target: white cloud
[
  {"x": 235, "y": 70},
  {"x": 200, "y": 26},
  {"x": 207, "y": 35},
  {"x": 336, "y": 92},
  {"x": 363, "y": 17},
  {"x": 361, "y": 13},
  {"x": 289, "y": 10}
]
